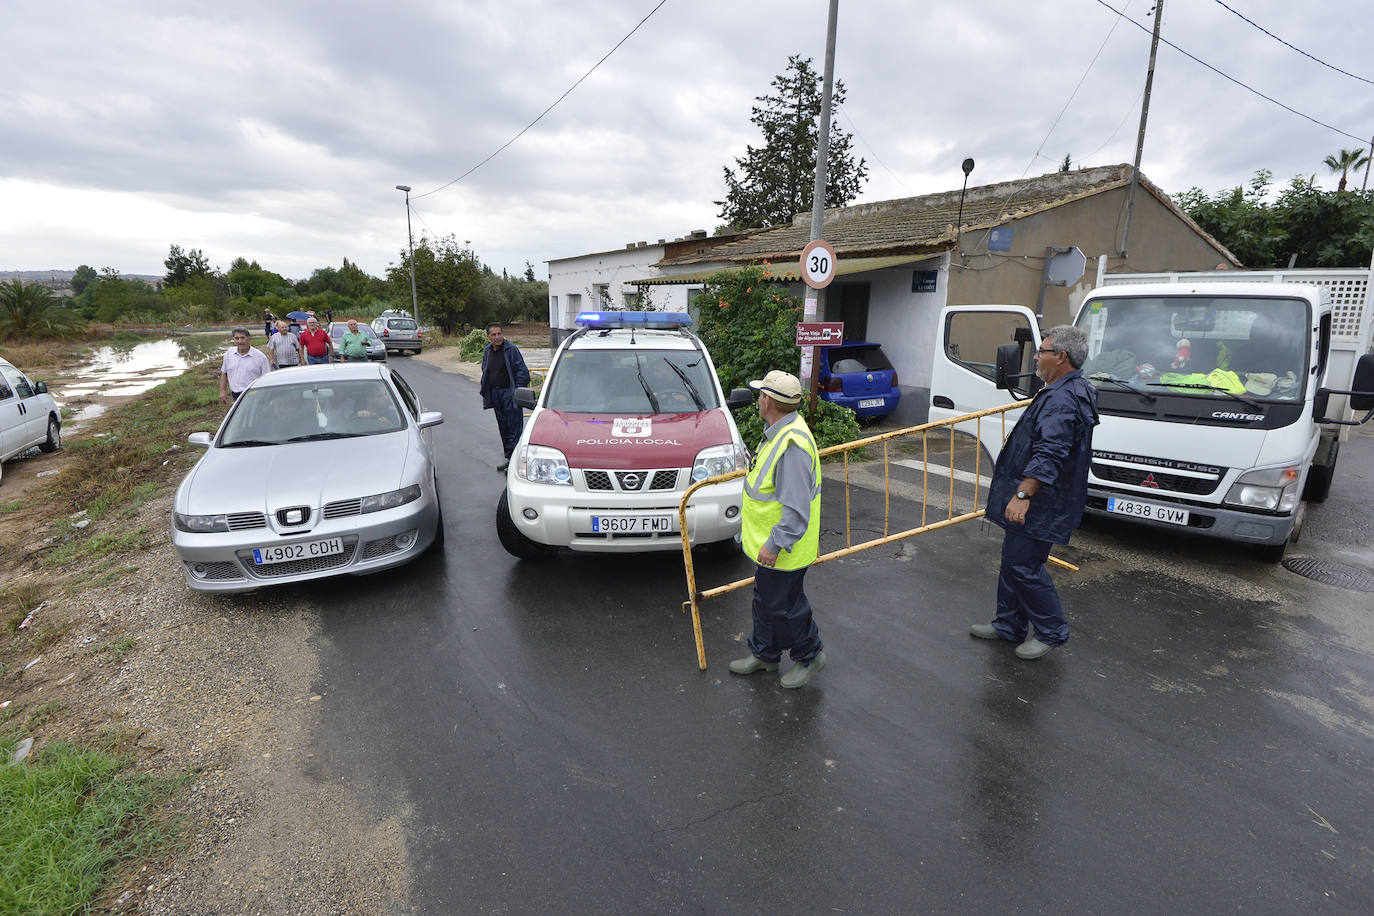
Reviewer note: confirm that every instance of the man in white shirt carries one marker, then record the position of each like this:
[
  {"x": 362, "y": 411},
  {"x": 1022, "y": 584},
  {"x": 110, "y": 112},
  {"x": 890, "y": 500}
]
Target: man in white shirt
[{"x": 241, "y": 365}]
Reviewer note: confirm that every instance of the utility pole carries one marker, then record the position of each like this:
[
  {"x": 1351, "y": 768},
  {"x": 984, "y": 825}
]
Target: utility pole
[
  {"x": 1365, "y": 184},
  {"x": 1144, "y": 116},
  {"x": 809, "y": 379},
  {"x": 410, "y": 245}
]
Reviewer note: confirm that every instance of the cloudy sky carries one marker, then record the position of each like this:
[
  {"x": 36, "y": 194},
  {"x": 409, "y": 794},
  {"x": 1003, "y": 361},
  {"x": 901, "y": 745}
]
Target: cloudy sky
[{"x": 277, "y": 129}]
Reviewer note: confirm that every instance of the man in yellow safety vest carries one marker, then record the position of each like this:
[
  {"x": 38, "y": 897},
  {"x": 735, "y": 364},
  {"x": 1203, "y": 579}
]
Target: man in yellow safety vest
[{"x": 781, "y": 523}]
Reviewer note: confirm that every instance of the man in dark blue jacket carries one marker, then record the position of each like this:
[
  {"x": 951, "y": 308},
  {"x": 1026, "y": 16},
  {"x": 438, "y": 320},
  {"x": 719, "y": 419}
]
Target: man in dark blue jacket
[
  {"x": 503, "y": 371},
  {"x": 1038, "y": 491}
]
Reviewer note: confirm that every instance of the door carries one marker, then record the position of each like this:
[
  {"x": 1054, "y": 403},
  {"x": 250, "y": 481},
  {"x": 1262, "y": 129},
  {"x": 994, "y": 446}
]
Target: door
[
  {"x": 849, "y": 303},
  {"x": 11, "y": 418},
  {"x": 963, "y": 378}
]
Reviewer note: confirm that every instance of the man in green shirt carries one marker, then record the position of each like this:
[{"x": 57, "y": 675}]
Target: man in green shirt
[{"x": 353, "y": 345}]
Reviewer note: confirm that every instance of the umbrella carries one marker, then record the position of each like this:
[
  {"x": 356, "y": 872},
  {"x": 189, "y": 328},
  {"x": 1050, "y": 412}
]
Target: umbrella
[{"x": 299, "y": 316}]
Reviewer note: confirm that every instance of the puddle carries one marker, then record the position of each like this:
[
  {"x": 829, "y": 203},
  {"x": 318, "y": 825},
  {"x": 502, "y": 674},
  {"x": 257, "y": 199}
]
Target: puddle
[{"x": 123, "y": 369}]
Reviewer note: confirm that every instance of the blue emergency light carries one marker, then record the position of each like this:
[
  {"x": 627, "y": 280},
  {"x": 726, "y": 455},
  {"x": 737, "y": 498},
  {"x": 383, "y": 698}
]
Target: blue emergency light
[{"x": 663, "y": 321}]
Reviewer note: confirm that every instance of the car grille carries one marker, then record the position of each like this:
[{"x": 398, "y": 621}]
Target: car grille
[
  {"x": 374, "y": 549},
  {"x": 1155, "y": 479},
  {"x": 343, "y": 507},
  {"x": 631, "y": 481},
  {"x": 296, "y": 567},
  {"x": 216, "y": 571},
  {"x": 242, "y": 521}
]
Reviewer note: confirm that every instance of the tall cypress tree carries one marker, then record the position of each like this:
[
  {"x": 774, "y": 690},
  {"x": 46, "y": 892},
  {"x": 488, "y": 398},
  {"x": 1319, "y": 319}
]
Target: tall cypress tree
[{"x": 777, "y": 179}]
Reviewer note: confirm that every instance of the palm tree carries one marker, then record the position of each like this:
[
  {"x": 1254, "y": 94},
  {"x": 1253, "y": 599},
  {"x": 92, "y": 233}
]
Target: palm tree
[
  {"x": 1347, "y": 160},
  {"x": 33, "y": 311}
]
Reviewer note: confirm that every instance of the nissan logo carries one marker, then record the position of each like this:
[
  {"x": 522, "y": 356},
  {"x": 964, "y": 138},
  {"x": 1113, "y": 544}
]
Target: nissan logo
[{"x": 630, "y": 481}]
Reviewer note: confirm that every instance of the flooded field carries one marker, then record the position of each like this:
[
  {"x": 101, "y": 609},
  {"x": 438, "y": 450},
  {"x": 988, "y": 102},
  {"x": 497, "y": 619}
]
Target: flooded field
[{"x": 129, "y": 367}]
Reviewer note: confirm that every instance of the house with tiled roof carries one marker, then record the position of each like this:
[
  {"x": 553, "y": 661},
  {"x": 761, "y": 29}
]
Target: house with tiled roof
[{"x": 901, "y": 261}]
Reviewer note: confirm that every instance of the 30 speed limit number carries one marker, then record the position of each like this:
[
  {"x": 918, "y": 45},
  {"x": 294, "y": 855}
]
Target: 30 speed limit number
[{"x": 818, "y": 264}]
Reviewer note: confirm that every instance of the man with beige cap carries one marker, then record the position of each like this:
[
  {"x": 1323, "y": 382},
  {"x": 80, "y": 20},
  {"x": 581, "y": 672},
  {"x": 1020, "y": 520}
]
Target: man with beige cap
[{"x": 781, "y": 533}]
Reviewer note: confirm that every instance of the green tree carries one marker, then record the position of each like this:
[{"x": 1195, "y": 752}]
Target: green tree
[
  {"x": 85, "y": 275},
  {"x": 777, "y": 179},
  {"x": 250, "y": 281},
  {"x": 749, "y": 325},
  {"x": 182, "y": 266},
  {"x": 446, "y": 276},
  {"x": 1344, "y": 162},
  {"x": 33, "y": 311},
  {"x": 1304, "y": 224}
]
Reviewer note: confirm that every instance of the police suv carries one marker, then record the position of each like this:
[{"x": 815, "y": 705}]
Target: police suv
[{"x": 631, "y": 415}]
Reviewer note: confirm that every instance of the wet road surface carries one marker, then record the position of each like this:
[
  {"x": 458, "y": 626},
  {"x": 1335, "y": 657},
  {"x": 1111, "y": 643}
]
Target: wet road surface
[{"x": 1203, "y": 743}]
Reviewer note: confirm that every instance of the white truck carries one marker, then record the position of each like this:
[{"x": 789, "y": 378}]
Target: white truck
[{"x": 1224, "y": 396}]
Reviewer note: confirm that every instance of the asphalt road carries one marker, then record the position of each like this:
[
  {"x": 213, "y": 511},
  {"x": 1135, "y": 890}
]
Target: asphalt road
[{"x": 1202, "y": 744}]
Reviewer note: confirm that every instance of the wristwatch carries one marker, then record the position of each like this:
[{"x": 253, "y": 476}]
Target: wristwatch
[{"x": 1022, "y": 494}]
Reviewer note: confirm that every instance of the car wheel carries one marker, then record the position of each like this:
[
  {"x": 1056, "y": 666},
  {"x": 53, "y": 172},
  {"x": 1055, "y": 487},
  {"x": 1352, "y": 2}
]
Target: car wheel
[
  {"x": 1271, "y": 553},
  {"x": 516, "y": 544},
  {"x": 54, "y": 440}
]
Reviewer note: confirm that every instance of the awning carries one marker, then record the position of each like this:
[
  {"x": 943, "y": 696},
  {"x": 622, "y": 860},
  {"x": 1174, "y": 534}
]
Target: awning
[{"x": 786, "y": 273}]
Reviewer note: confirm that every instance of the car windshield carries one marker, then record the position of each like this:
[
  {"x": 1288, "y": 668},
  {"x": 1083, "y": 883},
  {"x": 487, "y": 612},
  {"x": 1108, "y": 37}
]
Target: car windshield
[
  {"x": 1198, "y": 347},
  {"x": 857, "y": 359},
  {"x": 631, "y": 381},
  {"x": 279, "y": 414},
  {"x": 401, "y": 324}
]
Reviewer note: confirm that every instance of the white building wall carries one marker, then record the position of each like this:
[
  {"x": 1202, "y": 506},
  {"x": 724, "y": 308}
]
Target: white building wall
[{"x": 907, "y": 324}]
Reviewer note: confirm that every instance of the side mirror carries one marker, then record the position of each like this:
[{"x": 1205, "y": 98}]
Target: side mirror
[
  {"x": 1320, "y": 401},
  {"x": 200, "y": 439},
  {"x": 1008, "y": 361},
  {"x": 40, "y": 387},
  {"x": 1364, "y": 384},
  {"x": 739, "y": 397},
  {"x": 430, "y": 418},
  {"x": 525, "y": 397}
]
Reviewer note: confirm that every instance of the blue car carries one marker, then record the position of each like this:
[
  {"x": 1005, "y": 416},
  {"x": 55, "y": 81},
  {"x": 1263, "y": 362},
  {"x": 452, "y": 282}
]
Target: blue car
[{"x": 858, "y": 375}]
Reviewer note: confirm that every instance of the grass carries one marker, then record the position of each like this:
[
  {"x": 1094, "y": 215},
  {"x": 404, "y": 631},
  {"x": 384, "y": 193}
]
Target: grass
[
  {"x": 15, "y": 506},
  {"x": 79, "y": 549},
  {"x": 118, "y": 648},
  {"x": 70, "y": 817}
]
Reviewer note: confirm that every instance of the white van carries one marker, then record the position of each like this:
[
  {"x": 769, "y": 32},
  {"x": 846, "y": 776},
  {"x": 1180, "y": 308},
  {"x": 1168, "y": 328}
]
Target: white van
[
  {"x": 28, "y": 415},
  {"x": 1213, "y": 398}
]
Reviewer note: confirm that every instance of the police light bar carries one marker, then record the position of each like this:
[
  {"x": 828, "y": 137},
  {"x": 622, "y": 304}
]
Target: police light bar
[{"x": 667, "y": 321}]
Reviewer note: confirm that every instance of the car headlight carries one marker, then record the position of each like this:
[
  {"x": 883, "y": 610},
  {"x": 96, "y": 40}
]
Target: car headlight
[
  {"x": 1271, "y": 489},
  {"x": 541, "y": 464},
  {"x": 719, "y": 459},
  {"x": 200, "y": 524},
  {"x": 383, "y": 501}
]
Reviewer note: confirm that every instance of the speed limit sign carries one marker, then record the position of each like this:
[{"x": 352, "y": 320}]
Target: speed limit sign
[{"x": 818, "y": 264}]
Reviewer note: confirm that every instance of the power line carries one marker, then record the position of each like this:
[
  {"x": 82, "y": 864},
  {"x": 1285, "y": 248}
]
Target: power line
[
  {"x": 565, "y": 94},
  {"x": 870, "y": 148},
  {"x": 1245, "y": 18},
  {"x": 1227, "y": 76},
  {"x": 1073, "y": 94}
]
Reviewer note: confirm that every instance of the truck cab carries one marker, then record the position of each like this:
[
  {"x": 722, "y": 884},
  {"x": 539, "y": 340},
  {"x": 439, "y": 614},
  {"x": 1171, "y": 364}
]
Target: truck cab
[{"x": 1213, "y": 399}]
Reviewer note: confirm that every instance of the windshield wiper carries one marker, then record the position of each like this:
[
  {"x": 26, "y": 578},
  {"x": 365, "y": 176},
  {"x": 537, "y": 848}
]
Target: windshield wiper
[
  {"x": 316, "y": 437},
  {"x": 639, "y": 371},
  {"x": 247, "y": 443},
  {"x": 691, "y": 389},
  {"x": 1200, "y": 387},
  {"x": 1106, "y": 377}
]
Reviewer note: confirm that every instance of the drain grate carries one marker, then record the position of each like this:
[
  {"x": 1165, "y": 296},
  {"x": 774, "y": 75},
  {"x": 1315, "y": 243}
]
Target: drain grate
[{"x": 1329, "y": 573}]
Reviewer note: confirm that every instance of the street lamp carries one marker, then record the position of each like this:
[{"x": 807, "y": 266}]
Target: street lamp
[{"x": 410, "y": 244}]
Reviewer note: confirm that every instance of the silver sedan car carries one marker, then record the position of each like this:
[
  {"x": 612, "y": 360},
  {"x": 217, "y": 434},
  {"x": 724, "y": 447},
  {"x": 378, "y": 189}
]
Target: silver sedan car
[{"x": 316, "y": 471}]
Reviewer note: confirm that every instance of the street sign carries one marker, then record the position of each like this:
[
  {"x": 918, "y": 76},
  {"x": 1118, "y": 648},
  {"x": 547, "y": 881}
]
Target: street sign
[
  {"x": 818, "y": 264},
  {"x": 819, "y": 333},
  {"x": 1065, "y": 267}
]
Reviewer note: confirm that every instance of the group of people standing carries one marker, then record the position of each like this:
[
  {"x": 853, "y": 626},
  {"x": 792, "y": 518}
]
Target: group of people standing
[{"x": 285, "y": 349}]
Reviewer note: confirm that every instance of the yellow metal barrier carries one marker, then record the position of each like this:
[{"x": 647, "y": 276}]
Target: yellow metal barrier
[{"x": 695, "y": 597}]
